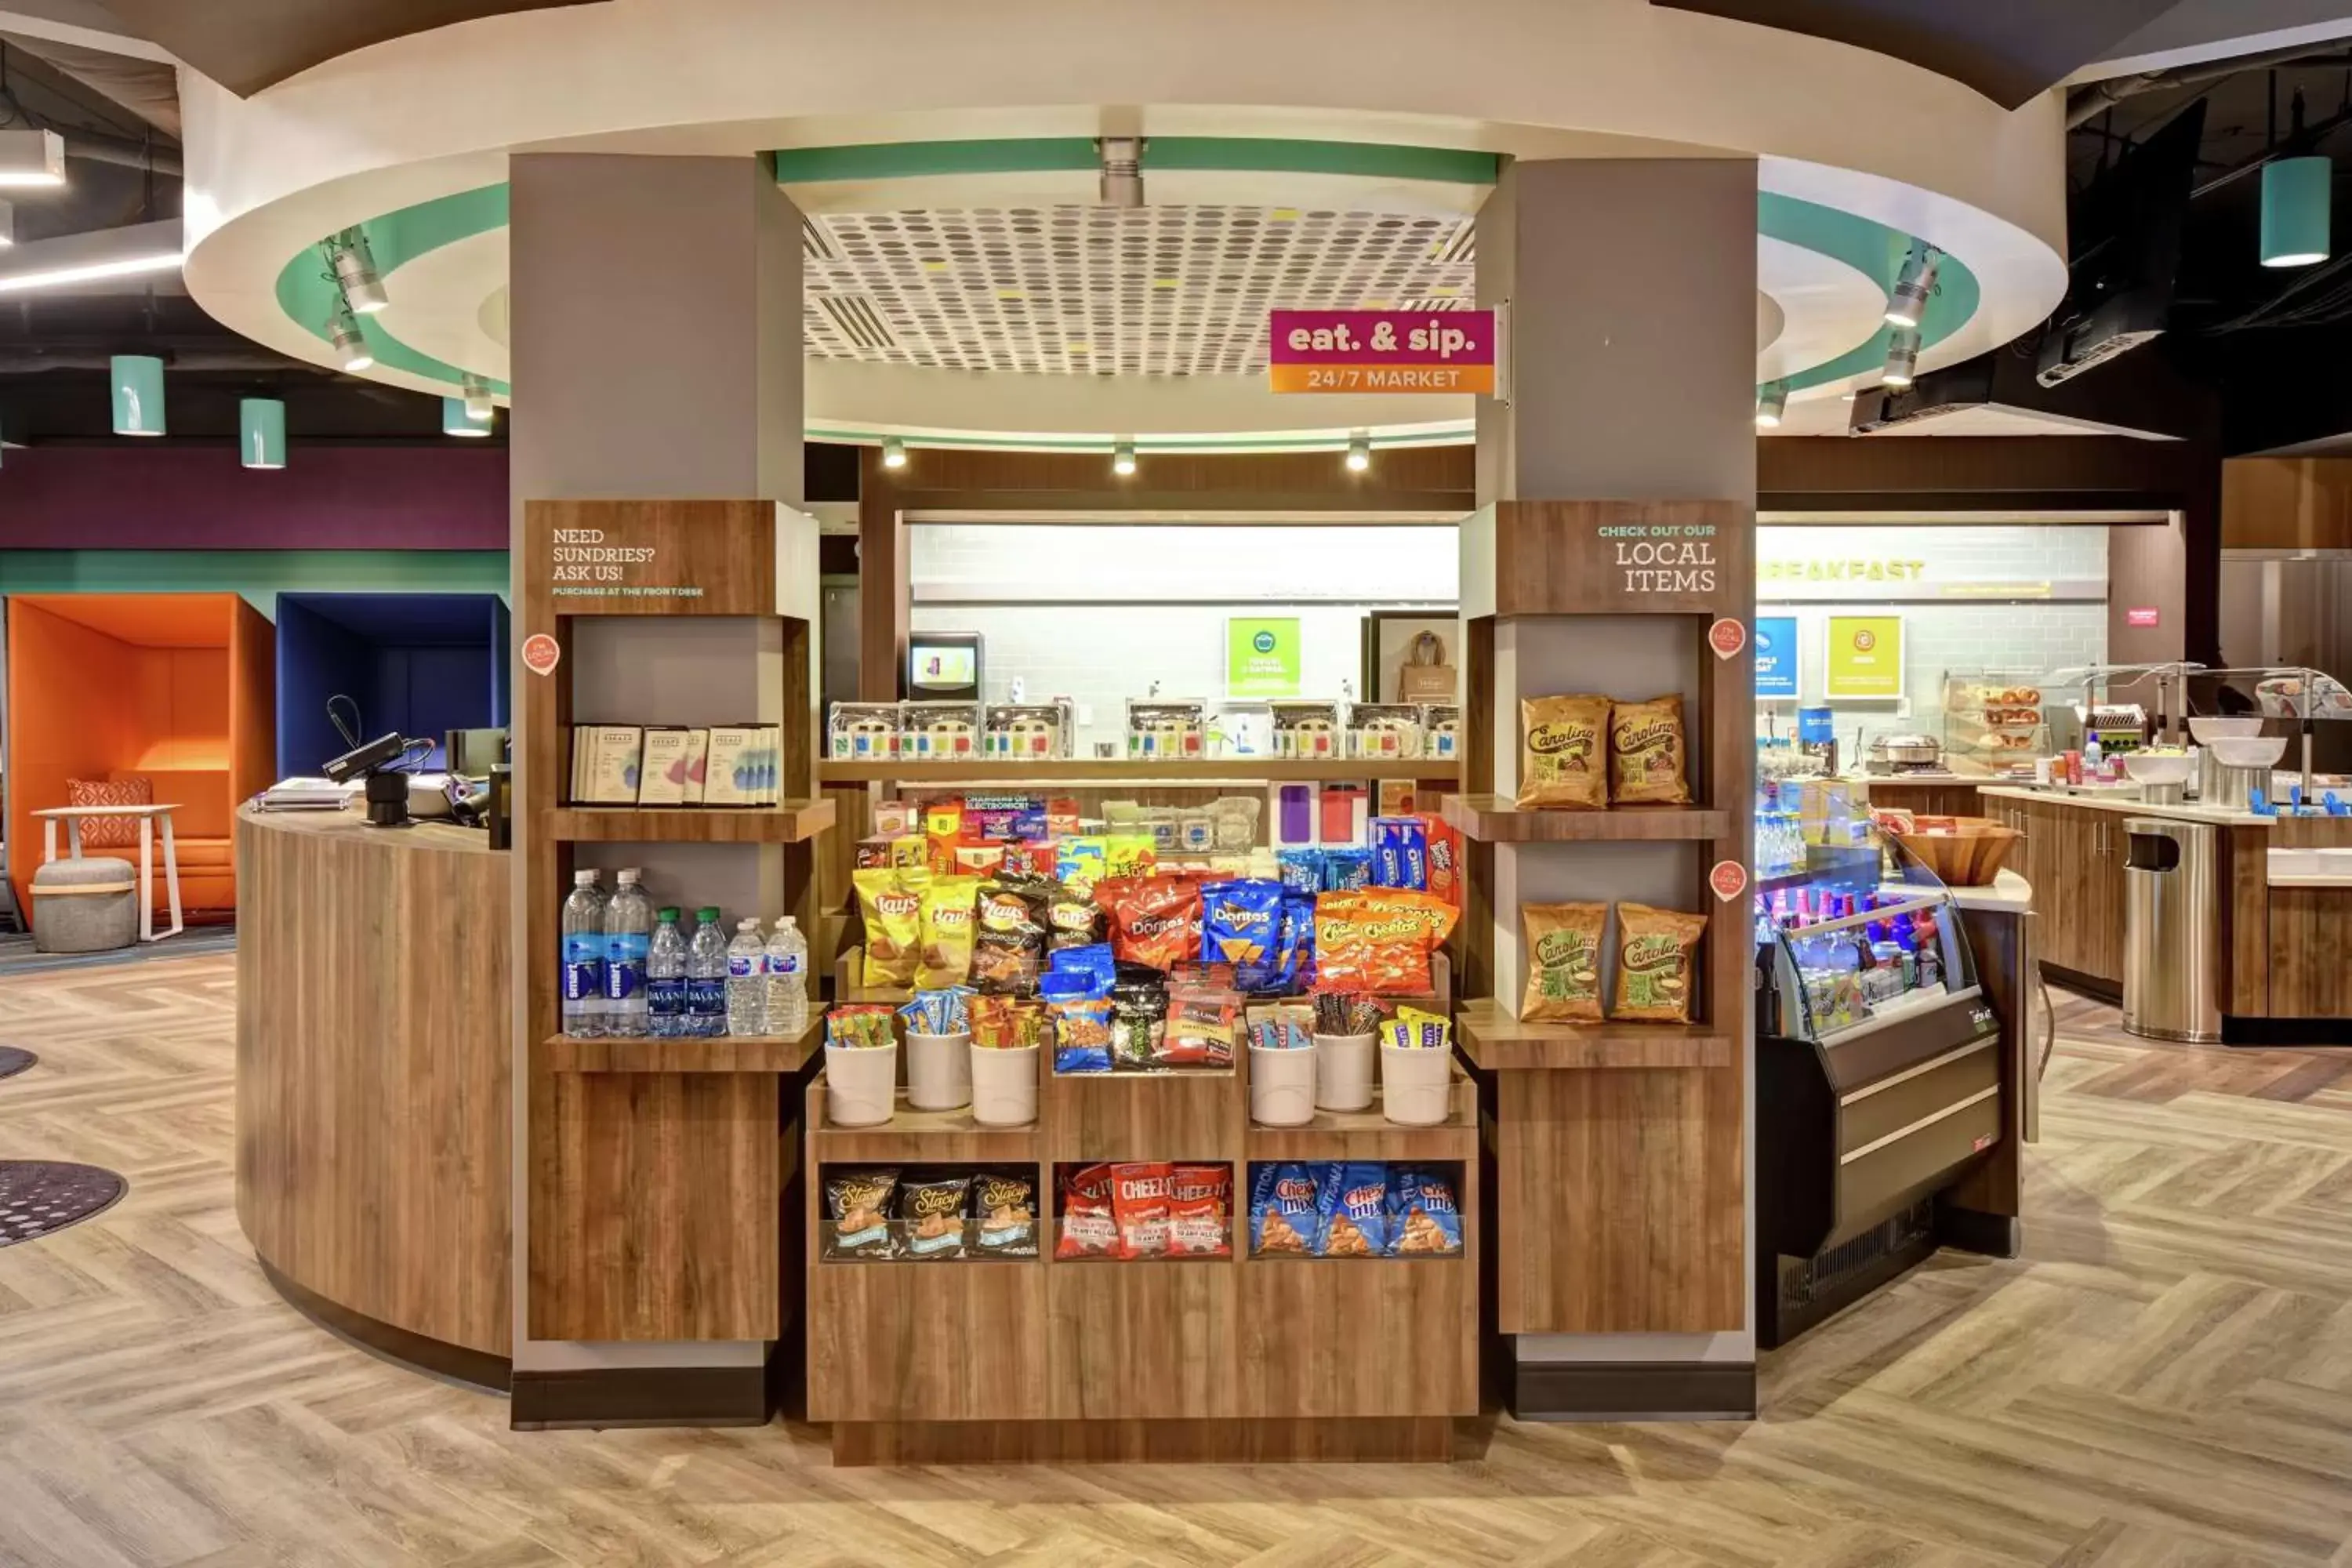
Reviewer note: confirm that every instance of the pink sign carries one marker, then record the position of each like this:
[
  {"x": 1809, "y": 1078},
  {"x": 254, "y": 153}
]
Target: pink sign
[
  {"x": 2144, "y": 616},
  {"x": 542, "y": 653},
  {"x": 1383, "y": 351},
  {"x": 1730, "y": 880},
  {"x": 1727, "y": 636}
]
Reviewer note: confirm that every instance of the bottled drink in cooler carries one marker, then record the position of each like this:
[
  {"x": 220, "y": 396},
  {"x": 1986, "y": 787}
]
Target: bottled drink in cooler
[
  {"x": 787, "y": 979},
  {"x": 665, "y": 978},
  {"x": 628, "y": 938},
  {"x": 705, "y": 978},
  {"x": 747, "y": 981},
  {"x": 583, "y": 957}
]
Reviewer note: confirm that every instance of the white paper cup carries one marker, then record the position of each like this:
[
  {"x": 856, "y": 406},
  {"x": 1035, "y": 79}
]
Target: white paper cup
[
  {"x": 1414, "y": 1084},
  {"x": 939, "y": 1071},
  {"x": 1282, "y": 1087},
  {"x": 1343, "y": 1072},
  {"x": 1004, "y": 1085},
  {"x": 861, "y": 1084}
]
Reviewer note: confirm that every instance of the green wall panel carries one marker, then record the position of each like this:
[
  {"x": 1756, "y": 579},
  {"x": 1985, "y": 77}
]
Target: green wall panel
[{"x": 260, "y": 575}]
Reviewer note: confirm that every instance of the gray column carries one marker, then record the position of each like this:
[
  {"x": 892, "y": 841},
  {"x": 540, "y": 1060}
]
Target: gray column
[{"x": 654, "y": 328}]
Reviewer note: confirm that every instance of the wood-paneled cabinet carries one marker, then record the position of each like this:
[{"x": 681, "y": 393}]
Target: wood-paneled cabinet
[{"x": 2074, "y": 856}]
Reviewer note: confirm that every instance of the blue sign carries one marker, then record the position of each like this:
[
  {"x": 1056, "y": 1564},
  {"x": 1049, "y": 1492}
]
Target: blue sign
[{"x": 1776, "y": 656}]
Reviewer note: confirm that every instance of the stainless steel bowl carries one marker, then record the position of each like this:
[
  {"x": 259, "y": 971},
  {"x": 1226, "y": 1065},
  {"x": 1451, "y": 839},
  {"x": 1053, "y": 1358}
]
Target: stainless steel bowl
[{"x": 1912, "y": 749}]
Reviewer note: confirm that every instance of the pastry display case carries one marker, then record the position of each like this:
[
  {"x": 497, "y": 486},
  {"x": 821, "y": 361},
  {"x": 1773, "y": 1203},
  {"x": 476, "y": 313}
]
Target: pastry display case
[{"x": 1993, "y": 719}]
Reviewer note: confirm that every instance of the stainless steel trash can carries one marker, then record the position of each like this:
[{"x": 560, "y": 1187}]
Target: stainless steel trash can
[{"x": 2172, "y": 930}]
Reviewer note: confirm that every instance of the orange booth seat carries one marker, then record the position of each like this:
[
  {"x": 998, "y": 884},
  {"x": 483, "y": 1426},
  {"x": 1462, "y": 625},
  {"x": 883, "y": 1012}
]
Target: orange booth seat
[{"x": 178, "y": 689}]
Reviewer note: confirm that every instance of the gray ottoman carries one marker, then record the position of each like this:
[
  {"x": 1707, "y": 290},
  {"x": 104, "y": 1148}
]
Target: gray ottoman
[{"x": 90, "y": 905}]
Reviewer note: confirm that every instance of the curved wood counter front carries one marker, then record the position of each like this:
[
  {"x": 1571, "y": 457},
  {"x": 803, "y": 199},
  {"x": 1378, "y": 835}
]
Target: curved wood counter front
[{"x": 372, "y": 1080}]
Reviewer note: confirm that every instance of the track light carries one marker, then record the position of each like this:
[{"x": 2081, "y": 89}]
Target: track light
[
  {"x": 893, "y": 452},
  {"x": 456, "y": 420},
  {"x": 1907, "y": 307},
  {"x": 32, "y": 160},
  {"x": 1902, "y": 358},
  {"x": 350, "y": 342},
  {"x": 1123, "y": 458},
  {"x": 1359, "y": 451},
  {"x": 481, "y": 406},
  {"x": 1771, "y": 402},
  {"x": 1123, "y": 170},
  {"x": 261, "y": 432},
  {"x": 2295, "y": 211},
  {"x": 355, "y": 272}
]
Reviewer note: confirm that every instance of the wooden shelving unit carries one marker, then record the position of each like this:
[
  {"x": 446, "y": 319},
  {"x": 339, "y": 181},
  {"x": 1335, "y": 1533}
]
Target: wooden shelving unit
[
  {"x": 795, "y": 822},
  {"x": 734, "y": 1053},
  {"x": 1096, "y": 769},
  {"x": 1495, "y": 1042},
  {"x": 1368, "y": 1135},
  {"x": 1495, "y": 819}
]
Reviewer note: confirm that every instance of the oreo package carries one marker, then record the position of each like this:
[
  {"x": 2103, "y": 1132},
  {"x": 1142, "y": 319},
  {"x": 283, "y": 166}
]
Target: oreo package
[{"x": 1400, "y": 853}]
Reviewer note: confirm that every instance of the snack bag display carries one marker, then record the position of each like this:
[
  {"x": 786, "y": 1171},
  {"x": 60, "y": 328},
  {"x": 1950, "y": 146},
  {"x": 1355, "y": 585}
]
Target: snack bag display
[
  {"x": 1071, "y": 919},
  {"x": 857, "y": 1206},
  {"x": 1138, "y": 1200},
  {"x": 1203, "y": 1018},
  {"x": 1082, "y": 1032},
  {"x": 942, "y": 834},
  {"x": 891, "y": 900},
  {"x": 1080, "y": 863},
  {"x": 1422, "y": 1220},
  {"x": 1089, "y": 1228},
  {"x": 1562, "y": 740},
  {"x": 1654, "y": 950},
  {"x": 1445, "y": 842},
  {"x": 1009, "y": 940},
  {"x": 1127, "y": 854},
  {"x": 1647, "y": 760},
  {"x": 1347, "y": 869},
  {"x": 1155, "y": 920},
  {"x": 1240, "y": 924},
  {"x": 944, "y": 956},
  {"x": 1139, "y": 1023},
  {"x": 1352, "y": 1208},
  {"x": 1379, "y": 941},
  {"x": 1283, "y": 1218},
  {"x": 1197, "y": 1211},
  {"x": 1005, "y": 1216},
  {"x": 1294, "y": 964},
  {"x": 1400, "y": 853},
  {"x": 1301, "y": 869},
  {"x": 1562, "y": 945},
  {"x": 1006, "y": 1023},
  {"x": 931, "y": 1216}
]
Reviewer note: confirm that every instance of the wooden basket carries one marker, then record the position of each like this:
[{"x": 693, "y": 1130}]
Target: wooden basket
[{"x": 1969, "y": 857}]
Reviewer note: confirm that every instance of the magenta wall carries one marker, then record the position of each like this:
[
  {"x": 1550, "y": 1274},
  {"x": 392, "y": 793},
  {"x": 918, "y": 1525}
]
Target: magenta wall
[{"x": 125, "y": 497}]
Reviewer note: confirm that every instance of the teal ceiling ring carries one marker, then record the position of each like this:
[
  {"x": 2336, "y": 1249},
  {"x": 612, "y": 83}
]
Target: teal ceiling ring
[
  {"x": 307, "y": 291},
  {"x": 1064, "y": 154},
  {"x": 1876, "y": 251}
]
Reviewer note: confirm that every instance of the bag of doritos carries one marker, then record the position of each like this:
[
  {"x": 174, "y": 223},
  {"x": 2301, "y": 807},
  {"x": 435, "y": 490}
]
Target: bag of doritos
[
  {"x": 1155, "y": 919},
  {"x": 1240, "y": 924}
]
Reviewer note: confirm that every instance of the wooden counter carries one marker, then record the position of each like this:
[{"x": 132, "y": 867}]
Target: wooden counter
[{"x": 373, "y": 1108}]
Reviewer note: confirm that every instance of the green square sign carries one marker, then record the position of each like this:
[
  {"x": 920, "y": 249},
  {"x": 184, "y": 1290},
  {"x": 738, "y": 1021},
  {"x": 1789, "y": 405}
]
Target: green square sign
[{"x": 1261, "y": 656}]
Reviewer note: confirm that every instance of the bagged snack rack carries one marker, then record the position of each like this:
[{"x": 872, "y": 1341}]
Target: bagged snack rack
[{"x": 1607, "y": 827}]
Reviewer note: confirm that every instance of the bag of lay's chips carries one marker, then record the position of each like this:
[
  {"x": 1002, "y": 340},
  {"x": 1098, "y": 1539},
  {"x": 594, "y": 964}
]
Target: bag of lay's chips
[
  {"x": 890, "y": 899},
  {"x": 943, "y": 957}
]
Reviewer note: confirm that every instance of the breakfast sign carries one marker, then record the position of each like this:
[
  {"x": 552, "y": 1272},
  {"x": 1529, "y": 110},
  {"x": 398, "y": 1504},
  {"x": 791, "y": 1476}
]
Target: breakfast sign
[{"x": 1383, "y": 351}]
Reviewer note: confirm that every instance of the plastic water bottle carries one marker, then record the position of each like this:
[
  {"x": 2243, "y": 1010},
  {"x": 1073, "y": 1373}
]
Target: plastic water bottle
[
  {"x": 705, "y": 978},
  {"x": 584, "y": 958},
  {"x": 628, "y": 937},
  {"x": 747, "y": 981},
  {"x": 788, "y": 958},
  {"x": 665, "y": 978}
]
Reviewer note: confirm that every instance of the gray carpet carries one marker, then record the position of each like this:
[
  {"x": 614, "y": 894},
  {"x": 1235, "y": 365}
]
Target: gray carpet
[{"x": 40, "y": 1197}]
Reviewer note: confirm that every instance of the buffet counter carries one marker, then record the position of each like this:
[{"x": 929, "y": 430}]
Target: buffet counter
[
  {"x": 2284, "y": 912},
  {"x": 373, "y": 1110}
]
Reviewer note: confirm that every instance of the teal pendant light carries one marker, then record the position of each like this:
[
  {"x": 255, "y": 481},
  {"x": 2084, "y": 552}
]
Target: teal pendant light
[
  {"x": 2295, "y": 211},
  {"x": 138, "y": 395},
  {"x": 456, "y": 420},
  {"x": 261, "y": 432}
]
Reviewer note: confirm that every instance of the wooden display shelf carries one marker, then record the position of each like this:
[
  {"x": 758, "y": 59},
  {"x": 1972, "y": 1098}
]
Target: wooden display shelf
[
  {"x": 1117, "y": 770},
  {"x": 920, "y": 1137},
  {"x": 1179, "y": 1115},
  {"x": 1368, "y": 1135},
  {"x": 794, "y": 821},
  {"x": 1496, "y": 819},
  {"x": 733, "y": 1053},
  {"x": 1496, "y": 1042}
]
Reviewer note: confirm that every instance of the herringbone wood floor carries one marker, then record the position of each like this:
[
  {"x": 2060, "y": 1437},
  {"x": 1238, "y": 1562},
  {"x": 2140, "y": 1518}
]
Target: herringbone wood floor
[{"x": 2166, "y": 1379}]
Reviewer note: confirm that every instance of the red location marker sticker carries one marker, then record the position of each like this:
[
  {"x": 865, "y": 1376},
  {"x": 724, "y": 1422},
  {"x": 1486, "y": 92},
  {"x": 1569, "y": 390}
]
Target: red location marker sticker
[
  {"x": 1727, "y": 636},
  {"x": 1730, "y": 880},
  {"x": 541, "y": 654}
]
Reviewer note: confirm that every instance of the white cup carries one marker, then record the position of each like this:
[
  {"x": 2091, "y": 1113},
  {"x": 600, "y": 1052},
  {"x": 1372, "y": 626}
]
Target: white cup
[
  {"x": 1343, "y": 1072},
  {"x": 861, "y": 1084},
  {"x": 939, "y": 1071},
  {"x": 1004, "y": 1085},
  {"x": 1282, "y": 1087},
  {"x": 1415, "y": 1084}
]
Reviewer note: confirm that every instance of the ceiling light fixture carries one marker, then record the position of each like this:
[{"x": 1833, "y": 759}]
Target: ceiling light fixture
[
  {"x": 1123, "y": 170},
  {"x": 2296, "y": 211},
  {"x": 355, "y": 273},
  {"x": 1123, "y": 458},
  {"x": 1359, "y": 451},
  {"x": 90, "y": 272},
  {"x": 138, "y": 386},
  {"x": 1772, "y": 403},
  {"x": 261, "y": 432},
  {"x": 456, "y": 420},
  {"x": 32, "y": 160},
  {"x": 1902, "y": 358},
  {"x": 893, "y": 452},
  {"x": 1907, "y": 306},
  {"x": 481, "y": 406},
  {"x": 350, "y": 342}
]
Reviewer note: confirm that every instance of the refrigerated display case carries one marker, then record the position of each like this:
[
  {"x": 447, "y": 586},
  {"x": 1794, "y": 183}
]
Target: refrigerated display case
[{"x": 1878, "y": 1075}]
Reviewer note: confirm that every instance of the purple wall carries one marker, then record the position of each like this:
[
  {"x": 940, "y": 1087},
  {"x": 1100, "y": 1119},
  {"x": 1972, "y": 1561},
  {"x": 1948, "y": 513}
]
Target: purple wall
[{"x": 127, "y": 497}]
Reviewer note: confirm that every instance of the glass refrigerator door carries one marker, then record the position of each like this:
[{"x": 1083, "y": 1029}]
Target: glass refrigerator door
[{"x": 1859, "y": 934}]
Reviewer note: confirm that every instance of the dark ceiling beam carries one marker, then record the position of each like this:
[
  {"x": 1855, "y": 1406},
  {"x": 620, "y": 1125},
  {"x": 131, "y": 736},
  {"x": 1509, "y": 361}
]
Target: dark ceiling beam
[{"x": 248, "y": 45}]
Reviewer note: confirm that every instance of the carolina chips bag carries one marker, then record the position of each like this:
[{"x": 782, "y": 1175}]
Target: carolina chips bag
[
  {"x": 1654, "y": 966},
  {"x": 1562, "y": 742},
  {"x": 1563, "y": 955},
  {"x": 1647, "y": 761}
]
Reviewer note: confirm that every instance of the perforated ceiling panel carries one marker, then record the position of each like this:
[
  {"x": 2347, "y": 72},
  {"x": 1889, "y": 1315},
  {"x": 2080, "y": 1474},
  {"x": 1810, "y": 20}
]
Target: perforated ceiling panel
[{"x": 1158, "y": 290}]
